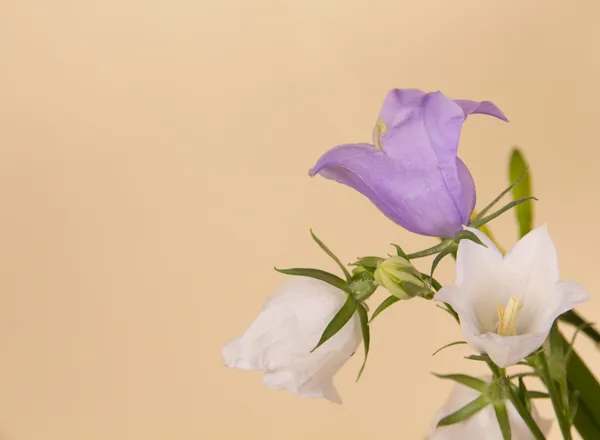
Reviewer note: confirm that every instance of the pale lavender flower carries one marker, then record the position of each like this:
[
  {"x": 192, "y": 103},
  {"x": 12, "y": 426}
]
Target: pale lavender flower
[{"x": 412, "y": 172}]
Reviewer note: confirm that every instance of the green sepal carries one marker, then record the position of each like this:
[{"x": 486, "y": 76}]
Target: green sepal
[
  {"x": 368, "y": 262},
  {"x": 331, "y": 254},
  {"x": 439, "y": 257},
  {"x": 489, "y": 218},
  {"x": 502, "y": 416},
  {"x": 468, "y": 381},
  {"x": 340, "y": 319},
  {"x": 518, "y": 172},
  {"x": 468, "y": 235},
  {"x": 366, "y": 333},
  {"x": 451, "y": 344},
  {"x": 465, "y": 412},
  {"x": 514, "y": 183},
  {"x": 362, "y": 287},
  {"x": 400, "y": 252},
  {"x": 384, "y": 305},
  {"x": 478, "y": 357},
  {"x": 318, "y": 274}
]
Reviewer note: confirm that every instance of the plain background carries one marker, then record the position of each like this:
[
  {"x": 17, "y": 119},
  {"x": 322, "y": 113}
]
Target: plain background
[{"x": 153, "y": 170}]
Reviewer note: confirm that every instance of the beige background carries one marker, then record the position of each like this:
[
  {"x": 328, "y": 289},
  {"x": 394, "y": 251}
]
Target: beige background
[{"x": 153, "y": 169}]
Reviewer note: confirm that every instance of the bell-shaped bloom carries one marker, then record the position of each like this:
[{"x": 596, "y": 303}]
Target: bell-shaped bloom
[
  {"x": 484, "y": 424},
  {"x": 280, "y": 340},
  {"x": 507, "y": 304},
  {"x": 412, "y": 172}
]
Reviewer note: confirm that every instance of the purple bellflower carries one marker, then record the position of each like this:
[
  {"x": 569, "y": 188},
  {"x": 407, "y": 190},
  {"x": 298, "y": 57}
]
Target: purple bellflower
[{"x": 412, "y": 172}]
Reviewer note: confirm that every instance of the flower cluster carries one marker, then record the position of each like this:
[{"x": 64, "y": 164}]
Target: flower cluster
[{"x": 507, "y": 303}]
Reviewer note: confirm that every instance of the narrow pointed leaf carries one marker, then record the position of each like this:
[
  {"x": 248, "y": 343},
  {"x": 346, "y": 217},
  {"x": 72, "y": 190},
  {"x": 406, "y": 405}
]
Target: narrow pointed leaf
[
  {"x": 502, "y": 416},
  {"x": 572, "y": 318},
  {"x": 451, "y": 344},
  {"x": 318, "y": 274},
  {"x": 518, "y": 171},
  {"x": 331, "y": 254},
  {"x": 400, "y": 252},
  {"x": 537, "y": 395},
  {"x": 502, "y": 194},
  {"x": 463, "y": 379},
  {"x": 384, "y": 305},
  {"x": 439, "y": 257},
  {"x": 465, "y": 412},
  {"x": 478, "y": 357},
  {"x": 340, "y": 319},
  {"x": 430, "y": 251},
  {"x": 501, "y": 211},
  {"x": 366, "y": 332}
]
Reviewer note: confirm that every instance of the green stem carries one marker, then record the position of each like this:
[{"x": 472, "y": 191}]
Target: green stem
[
  {"x": 525, "y": 415},
  {"x": 500, "y": 373},
  {"x": 555, "y": 397}
]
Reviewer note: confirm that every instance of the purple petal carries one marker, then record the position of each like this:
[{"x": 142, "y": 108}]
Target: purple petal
[
  {"x": 413, "y": 196},
  {"x": 480, "y": 107}
]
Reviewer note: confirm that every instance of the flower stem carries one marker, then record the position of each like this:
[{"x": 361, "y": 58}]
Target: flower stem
[
  {"x": 500, "y": 374},
  {"x": 525, "y": 415},
  {"x": 555, "y": 397}
]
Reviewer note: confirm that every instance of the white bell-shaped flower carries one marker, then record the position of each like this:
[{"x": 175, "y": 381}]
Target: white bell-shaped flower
[
  {"x": 484, "y": 424},
  {"x": 507, "y": 304},
  {"x": 280, "y": 340}
]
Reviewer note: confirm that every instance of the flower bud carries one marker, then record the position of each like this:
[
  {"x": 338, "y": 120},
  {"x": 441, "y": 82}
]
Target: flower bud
[{"x": 399, "y": 276}]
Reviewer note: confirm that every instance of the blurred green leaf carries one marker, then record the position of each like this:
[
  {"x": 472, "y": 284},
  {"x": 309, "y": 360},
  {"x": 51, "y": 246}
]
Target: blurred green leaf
[
  {"x": 340, "y": 319},
  {"x": 518, "y": 170}
]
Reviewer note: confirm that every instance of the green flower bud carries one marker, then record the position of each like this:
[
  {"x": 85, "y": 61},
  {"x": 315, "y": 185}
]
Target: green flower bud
[{"x": 400, "y": 277}]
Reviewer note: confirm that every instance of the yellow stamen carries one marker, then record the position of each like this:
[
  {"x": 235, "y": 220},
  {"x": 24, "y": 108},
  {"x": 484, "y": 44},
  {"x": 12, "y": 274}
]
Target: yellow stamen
[
  {"x": 507, "y": 317},
  {"x": 380, "y": 129}
]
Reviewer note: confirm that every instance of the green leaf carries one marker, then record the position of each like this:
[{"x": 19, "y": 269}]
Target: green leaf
[
  {"x": 364, "y": 324},
  {"x": 518, "y": 172},
  {"x": 468, "y": 381},
  {"x": 318, "y": 274},
  {"x": 478, "y": 357},
  {"x": 522, "y": 394},
  {"x": 537, "y": 395},
  {"x": 465, "y": 412},
  {"x": 384, "y": 305},
  {"x": 580, "y": 378},
  {"x": 572, "y": 318},
  {"x": 331, "y": 254},
  {"x": 489, "y": 218},
  {"x": 573, "y": 403},
  {"x": 502, "y": 416},
  {"x": 451, "y": 344},
  {"x": 340, "y": 319},
  {"x": 399, "y": 251}
]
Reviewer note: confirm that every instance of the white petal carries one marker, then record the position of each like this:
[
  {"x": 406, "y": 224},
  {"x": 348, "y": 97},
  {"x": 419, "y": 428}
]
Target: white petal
[
  {"x": 507, "y": 350},
  {"x": 532, "y": 269},
  {"x": 280, "y": 339},
  {"x": 474, "y": 262}
]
